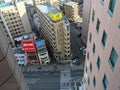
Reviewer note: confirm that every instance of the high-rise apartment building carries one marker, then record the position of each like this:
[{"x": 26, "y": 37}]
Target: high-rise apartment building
[
  {"x": 14, "y": 19},
  {"x": 42, "y": 52},
  {"x": 71, "y": 10},
  {"x": 51, "y": 2},
  {"x": 3, "y": 1},
  {"x": 55, "y": 30},
  {"x": 102, "y": 69},
  {"x": 86, "y": 18},
  {"x": 11, "y": 77}
]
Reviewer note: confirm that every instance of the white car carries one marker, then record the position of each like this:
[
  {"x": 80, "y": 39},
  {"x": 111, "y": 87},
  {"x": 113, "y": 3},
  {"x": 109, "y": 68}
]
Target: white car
[{"x": 82, "y": 48}]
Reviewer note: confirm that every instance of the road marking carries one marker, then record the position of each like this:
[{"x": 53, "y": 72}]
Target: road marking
[{"x": 31, "y": 80}]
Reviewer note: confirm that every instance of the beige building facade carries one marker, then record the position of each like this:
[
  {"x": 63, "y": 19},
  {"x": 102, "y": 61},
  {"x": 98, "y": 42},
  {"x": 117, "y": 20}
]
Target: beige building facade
[
  {"x": 14, "y": 19},
  {"x": 11, "y": 77},
  {"x": 56, "y": 33},
  {"x": 102, "y": 69},
  {"x": 51, "y": 2},
  {"x": 71, "y": 10}
]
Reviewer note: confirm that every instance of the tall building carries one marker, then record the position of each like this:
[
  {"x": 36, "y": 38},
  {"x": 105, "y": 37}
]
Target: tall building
[
  {"x": 42, "y": 52},
  {"x": 30, "y": 51},
  {"x": 11, "y": 77},
  {"x": 51, "y": 2},
  {"x": 14, "y": 19},
  {"x": 102, "y": 69},
  {"x": 71, "y": 10},
  {"x": 86, "y": 18},
  {"x": 55, "y": 30},
  {"x": 3, "y": 1}
]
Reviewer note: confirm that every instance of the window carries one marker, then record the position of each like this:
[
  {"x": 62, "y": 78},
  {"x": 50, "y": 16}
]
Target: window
[
  {"x": 98, "y": 25},
  {"x": 102, "y": 2},
  {"x": 105, "y": 82},
  {"x": 93, "y": 15},
  {"x": 98, "y": 62},
  {"x": 113, "y": 58},
  {"x": 94, "y": 81},
  {"x": 88, "y": 81},
  {"x": 119, "y": 25},
  {"x": 104, "y": 38},
  {"x": 111, "y": 7},
  {"x": 2, "y": 23},
  {"x": 91, "y": 67},
  {"x": 86, "y": 69},
  {"x": 88, "y": 55},
  {"x": 94, "y": 47},
  {"x": 90, "y": 37}
]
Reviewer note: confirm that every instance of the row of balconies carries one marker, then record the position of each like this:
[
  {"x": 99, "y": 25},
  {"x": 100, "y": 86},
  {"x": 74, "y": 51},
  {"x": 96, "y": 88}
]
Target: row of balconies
[
  {"x": 9, "y": 17},
  {"x": 43, "y": 19},
  {"x": 18, "y": 31},
  {"x": 15, "y": 29},
  {"x": 17, "y": 35},
  {"x": 14, "y": 24},
  {"x": 12, "y": 17},
  {"x": 48, "y": 32},
  {"x": 67, "y": 44},
  {"x": 51, "y": 40},
  {"x": 13, "y": 20}
]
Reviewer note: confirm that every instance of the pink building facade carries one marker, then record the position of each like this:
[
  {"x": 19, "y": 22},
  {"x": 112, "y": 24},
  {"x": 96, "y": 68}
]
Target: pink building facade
[
  {"x": 102, "y": 69},
  {"x": 86, "y": 19}
]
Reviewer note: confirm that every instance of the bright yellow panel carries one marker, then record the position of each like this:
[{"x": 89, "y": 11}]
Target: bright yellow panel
[{"x": 55, "y": 17}]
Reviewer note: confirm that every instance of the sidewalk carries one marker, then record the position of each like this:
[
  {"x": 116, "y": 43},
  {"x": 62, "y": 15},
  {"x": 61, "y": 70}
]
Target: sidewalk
[{"x": 65, "y": 78}]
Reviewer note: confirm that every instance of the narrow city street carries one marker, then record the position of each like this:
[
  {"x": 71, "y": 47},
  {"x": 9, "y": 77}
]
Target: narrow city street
[{"x": 76, "y": 43}]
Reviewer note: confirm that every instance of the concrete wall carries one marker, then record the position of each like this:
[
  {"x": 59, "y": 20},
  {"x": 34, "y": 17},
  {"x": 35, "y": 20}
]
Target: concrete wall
[
  {"x": 24, "y": 17},
  {"x": 11, "y": 77}
]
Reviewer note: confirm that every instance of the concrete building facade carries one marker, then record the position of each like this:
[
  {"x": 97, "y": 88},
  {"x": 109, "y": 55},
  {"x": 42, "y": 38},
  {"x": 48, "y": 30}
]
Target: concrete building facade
[
  {"x": 102, "y": 69},
  {"x": 11, "y": 77},
  {"x": 86, "y": 18},
  {"x": 55, "y": 30},
  {"x": 14, "y": 19},
  {"x": 42, "y": 52},
  {"x": 51, "y": 2},
  {"x": 21, "y": 59},
  {"x": 71, "y": 10}
]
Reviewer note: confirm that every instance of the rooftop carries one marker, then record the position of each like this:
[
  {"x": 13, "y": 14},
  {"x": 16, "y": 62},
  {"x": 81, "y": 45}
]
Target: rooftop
[
  {"x": 40, "y": 43},
  {"x": 45, "y": 8},
  {"x": 6, "y": 4},
  {"x": 26, "y": 37},
  {"x": 51, "y": 13},
  {"x": 70, "y": 3}
]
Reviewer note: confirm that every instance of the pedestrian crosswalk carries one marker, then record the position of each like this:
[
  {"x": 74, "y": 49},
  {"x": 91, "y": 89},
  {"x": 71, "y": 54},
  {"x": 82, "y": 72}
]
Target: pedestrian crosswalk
[{"x": 31, "y": 80}]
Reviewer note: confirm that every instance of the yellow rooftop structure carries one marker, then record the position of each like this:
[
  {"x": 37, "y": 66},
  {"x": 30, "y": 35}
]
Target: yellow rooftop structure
[{"x": 52, "y": 12}]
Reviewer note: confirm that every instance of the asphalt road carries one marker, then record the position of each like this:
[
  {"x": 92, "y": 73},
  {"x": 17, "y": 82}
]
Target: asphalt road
[
  {"x": 43, "y": 82},
  {"x": 76, "y": 43}
]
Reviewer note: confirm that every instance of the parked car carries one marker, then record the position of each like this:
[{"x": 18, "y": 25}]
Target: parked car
[
  {"x": 84, "y": 53},
  {"x": 79, "y": 35},
  {"x": 82, "y": 48}
]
